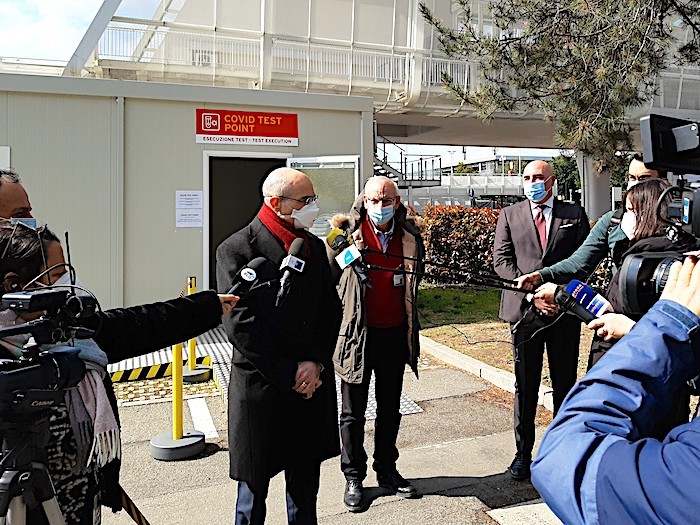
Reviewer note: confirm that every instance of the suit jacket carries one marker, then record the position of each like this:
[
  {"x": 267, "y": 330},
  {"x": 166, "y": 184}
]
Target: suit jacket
[
  {"x": 517, "y": 249},
  {"x": 271, "y": 427}
]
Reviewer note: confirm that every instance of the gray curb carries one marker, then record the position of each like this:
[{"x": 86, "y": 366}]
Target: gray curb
[{"x": 497, "y": 377}]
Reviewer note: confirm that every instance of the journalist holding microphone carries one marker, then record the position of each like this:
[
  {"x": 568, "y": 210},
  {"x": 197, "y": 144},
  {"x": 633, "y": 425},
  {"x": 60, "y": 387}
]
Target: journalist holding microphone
[
  {"x": 379, "y": 333},
  {"x": 83, "y": 452},
  {"x": 645, "y": 232},
  {"x": 282, "y": 396},
  {"x": 597, "y": 464}
]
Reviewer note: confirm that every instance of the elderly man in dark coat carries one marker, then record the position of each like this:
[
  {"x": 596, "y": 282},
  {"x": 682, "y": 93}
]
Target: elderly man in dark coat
[{"x": 282, "y": 396}]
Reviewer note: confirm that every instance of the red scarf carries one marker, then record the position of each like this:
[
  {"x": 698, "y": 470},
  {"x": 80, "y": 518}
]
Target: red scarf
[{"x": 281, "y": 229}]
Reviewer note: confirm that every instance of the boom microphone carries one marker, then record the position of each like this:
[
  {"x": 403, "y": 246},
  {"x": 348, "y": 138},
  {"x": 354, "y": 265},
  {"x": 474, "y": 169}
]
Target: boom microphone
[
  {"x": 246, "y": 277},
  {"x": 291, "y": 265},
  {"x": 348, "y": 255},
  {"x": 582, "y": 301}
]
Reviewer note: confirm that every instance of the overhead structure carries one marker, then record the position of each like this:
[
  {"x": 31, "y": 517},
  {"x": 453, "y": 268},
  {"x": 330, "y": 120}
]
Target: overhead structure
[{"x": 378, "y": 48}]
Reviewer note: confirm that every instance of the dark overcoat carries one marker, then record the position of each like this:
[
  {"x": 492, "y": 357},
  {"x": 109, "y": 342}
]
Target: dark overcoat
[{"x": 271, "y": 427}]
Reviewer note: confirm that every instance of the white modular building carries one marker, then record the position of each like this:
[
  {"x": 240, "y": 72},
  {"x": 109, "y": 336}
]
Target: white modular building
[{"x": 148, "y": 178}]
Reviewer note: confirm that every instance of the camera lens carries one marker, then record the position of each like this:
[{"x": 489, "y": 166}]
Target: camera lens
[{"x": 660, "y": 276}]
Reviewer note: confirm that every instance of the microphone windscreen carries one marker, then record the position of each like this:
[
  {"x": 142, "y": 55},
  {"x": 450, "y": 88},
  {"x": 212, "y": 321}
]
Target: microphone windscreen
[
  {"x": 332, "y": 235},
  {"x": 588, "y": 298},
  {"x": 296, "y": 247},
  {"x": 583, "y": 293}
]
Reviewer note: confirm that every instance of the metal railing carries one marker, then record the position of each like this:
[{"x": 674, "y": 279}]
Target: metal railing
[
  {"x": 334, "y": 64},
  {"x": 329, "y": 61},
  {"x": 170, "y": 47}
]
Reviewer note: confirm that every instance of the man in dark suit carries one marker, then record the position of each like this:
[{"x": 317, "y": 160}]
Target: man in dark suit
[
  {"x": 282, "y": 397},
  {"x": 530, "y": 235}
]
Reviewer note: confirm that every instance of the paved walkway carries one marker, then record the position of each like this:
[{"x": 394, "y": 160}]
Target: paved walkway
[{"x": 456, "y": 452}]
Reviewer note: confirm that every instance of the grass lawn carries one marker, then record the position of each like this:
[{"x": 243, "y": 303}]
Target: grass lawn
[{"x": 466, "y": 319}]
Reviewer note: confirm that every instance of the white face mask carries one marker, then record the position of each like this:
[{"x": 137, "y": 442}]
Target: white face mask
[
  {"x": 628, "y": 223},
  {"x": 304, "y": 217},
  {"x": 63, "y": 283}
]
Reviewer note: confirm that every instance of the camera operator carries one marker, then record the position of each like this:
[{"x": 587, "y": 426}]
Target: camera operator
[
  {"x": 83, "y": 452},
  {"x": 596, "y": 463},
  {"x": 644, "y": 232}
]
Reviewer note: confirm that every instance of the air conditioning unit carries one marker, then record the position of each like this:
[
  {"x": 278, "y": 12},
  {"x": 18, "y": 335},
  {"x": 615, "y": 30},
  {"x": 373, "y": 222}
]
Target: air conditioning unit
[{"x": 201, "y": 58}]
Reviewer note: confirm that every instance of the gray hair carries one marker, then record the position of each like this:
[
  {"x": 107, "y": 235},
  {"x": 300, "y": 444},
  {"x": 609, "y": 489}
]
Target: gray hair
[
  {"x": 277, "y": 183},
  {"x": 9, "y": 175}
]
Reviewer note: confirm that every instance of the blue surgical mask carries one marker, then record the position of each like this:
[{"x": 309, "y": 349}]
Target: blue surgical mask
[
  {"x": 381, "y": 214},
  {"x": 536, "y": 192}
]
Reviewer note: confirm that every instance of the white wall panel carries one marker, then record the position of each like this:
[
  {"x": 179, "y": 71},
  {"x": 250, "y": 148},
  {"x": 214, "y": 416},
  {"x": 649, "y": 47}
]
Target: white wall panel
[
  {"x": 103, "y": 159},
  {"x": 61, "y": 147}
]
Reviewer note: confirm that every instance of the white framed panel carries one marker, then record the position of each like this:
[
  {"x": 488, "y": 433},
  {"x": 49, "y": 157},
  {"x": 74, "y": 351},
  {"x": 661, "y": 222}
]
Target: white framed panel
[{"x": 336, "y": 180}]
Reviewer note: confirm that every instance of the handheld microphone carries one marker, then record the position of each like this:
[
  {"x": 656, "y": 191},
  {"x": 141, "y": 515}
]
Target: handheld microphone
[
  {"x": 348, "y": 255},
  {"x": 291, "y": 265},
  {"x": 582, "y": 301},
  {"x": 246, "y": 277}
]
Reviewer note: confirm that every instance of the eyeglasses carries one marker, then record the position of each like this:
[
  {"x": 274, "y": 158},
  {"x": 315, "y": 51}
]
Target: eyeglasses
[{"x": 306, "y": 200}]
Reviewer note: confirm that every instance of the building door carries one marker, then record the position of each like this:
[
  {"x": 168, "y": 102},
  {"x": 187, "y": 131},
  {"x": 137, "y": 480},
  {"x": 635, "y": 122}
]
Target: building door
[{"x": 234, "y": 198}]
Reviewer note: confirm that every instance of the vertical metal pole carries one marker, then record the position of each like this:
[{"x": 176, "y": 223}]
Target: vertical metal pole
[
  {"x": 192, "y": 343},
  {"x": 177, "y": 392}
]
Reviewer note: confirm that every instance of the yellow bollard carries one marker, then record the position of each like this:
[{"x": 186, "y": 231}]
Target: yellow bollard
[
  {"x": 192, "y": 343},
  {"x": 177, "y": 392}
]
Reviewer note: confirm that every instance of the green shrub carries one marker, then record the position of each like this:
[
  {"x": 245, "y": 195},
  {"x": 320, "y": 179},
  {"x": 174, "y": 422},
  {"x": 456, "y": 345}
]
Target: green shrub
[{"x": 460, "y": 237}]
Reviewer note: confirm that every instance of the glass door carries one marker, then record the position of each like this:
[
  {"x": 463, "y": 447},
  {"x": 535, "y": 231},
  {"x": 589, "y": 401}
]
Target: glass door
[{"x": 336, "y": 180}]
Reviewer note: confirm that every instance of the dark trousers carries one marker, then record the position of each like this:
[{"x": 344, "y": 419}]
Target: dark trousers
[
  {"x": 562, "y": 342},
  {"x": 301, "y": 487},
  {"x": 386, "y": 353}
]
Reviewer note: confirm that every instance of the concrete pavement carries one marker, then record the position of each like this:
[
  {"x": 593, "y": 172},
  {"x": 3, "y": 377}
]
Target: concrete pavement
[{"x": 456, "y": 452}]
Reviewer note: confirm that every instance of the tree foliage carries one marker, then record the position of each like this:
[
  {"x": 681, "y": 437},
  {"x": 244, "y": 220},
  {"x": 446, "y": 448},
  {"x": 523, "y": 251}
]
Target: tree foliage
[
  {"x": 580, "y": 63},
  {"x": 566, "y": 171}
]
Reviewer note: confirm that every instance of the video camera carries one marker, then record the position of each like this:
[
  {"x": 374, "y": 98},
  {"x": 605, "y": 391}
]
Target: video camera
[
  {"x": 37, "y": 380},
  {"x": 669, "y": 144}
]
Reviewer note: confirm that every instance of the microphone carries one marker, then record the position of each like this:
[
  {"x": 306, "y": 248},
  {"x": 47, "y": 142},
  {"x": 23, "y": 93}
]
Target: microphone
[
  {"x": 582, "y": 301},
  {"x": 291, "y": 265},
  {"x": 348, "y": 255},
  {"x": 246, "y": 277}
]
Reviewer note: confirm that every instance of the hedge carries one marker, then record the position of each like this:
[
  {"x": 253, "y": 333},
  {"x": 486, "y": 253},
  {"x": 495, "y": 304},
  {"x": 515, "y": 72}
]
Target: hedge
[
  {"x": 463, "y": 238},
  {"x": 460, "y": 237}
]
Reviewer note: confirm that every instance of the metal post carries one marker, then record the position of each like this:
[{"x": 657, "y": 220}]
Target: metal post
[
  {"x": 177, "y": 391},
  {"x": 192, "y": 343}
]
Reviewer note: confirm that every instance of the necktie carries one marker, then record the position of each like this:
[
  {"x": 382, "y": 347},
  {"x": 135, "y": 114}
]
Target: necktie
[{"x": 541, "y": 224}]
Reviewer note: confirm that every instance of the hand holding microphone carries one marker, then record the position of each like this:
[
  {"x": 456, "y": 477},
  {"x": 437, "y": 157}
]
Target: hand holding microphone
[
  {"x": 348, "y": 255},
  {"x": 612, "y": 326},
  {"x": 582, "y": 301}
]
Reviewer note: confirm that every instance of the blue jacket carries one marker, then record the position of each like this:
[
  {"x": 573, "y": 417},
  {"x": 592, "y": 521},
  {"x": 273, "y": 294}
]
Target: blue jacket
[{"x": 595, "y": 465}]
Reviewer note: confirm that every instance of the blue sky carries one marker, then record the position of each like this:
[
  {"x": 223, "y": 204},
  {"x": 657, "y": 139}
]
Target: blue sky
[{"x": 49, "y": 29}]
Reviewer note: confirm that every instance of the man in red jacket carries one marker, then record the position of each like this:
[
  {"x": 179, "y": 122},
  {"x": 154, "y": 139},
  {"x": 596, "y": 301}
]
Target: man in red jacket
[{"x": 379, "y": 334}]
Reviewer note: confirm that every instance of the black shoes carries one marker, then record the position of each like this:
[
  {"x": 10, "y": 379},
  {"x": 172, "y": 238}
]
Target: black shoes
[
  {"x": 397, "y": 484},
  {"x": 353, "y": 495},
  {"x": 520, "y": 468}
]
